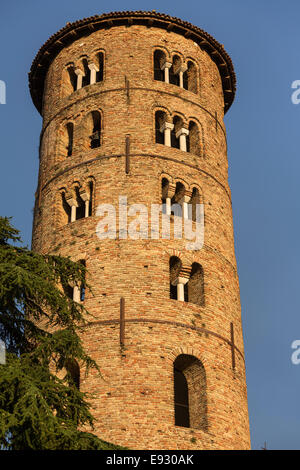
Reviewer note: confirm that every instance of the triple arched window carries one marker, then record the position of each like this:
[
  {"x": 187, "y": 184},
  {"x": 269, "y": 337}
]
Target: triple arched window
[
  {"x": 174, "y": 132},
  {"x": 175, "y": 71},
  {"x": 86, "y": 71},
  {"x": 78, "y": 202},
  {"x": 179, "y": 200}
]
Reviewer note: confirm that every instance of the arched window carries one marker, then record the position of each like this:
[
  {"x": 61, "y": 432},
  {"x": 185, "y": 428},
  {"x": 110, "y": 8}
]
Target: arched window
[
  {"x": 193, "y": 139},
  {"x": 190, "y": 396},
  {"x": 174, "y": 75},
  {"x": 190, "y": 77},
  {"x": 160, "y": 119},
  {"x": 159, "y": 60},
  {"x": 195, "y": 285}
]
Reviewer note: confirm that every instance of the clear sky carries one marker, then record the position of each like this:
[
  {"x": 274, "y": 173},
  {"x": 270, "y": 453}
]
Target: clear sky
[{"x": 262, "y": 38}]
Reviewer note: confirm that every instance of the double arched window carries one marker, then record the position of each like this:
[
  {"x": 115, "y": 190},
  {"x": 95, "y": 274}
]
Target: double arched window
[
  {"x": 88, "y": 134},
  {"x": 186, "y": 282},
  {"x": 75, "y": 292}
]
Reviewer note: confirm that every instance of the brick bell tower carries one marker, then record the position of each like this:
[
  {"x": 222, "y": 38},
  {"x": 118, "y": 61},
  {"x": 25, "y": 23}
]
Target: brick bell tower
[{"x": 133, "y": 106}]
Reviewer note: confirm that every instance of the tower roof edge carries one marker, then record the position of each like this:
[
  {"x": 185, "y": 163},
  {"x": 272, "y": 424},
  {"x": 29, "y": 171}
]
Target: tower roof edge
[{"x": 73, "y": 31}]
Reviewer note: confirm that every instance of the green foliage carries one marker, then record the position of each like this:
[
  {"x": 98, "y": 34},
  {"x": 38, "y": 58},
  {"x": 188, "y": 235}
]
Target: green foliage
[{"x": 40, "y": 405}]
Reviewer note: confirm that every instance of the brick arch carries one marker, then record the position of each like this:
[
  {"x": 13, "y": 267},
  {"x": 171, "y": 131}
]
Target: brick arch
[
  {"x": 164, "y": 109},
  {"x": 180, "y": 115},
  {"x": 167, "y": 176},
  {"x": 188, "y": 350},
  {"x": 179, "y": 54},
  {"x": 177, "y": 179},
  {"x": 159, "y": 47}
]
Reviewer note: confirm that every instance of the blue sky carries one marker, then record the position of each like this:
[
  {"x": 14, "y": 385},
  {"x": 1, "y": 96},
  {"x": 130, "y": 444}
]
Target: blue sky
[{"x": 262, "y": 38}]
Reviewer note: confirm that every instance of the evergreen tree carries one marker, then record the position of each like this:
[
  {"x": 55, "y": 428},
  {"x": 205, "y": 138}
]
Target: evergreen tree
[{"x": 41, "y": 406}]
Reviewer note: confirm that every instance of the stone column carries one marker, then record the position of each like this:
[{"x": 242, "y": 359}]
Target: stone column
[
  {"x": 86, "y": 198},
  {"x": 166, "y": 128},
  {"x": 166, "y": 66},
  {"x": 73, "y": 204},
  {"x": 94, "y": 69},
  {"x": 184, "y": 203},
  {"x": 169, "y": 193},
  {"x": 76, "y": 294},
  {"x": 182, "y": 133},
  {"x": 181, "y": 70},
  {"x": 80, "y": 75}
]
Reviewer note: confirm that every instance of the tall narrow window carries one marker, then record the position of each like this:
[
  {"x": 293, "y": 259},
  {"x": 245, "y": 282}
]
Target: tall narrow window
[
  {"x": 190, "y": 77},
  {"x": 195, "y": 286},
  {"x": 175, "y": 201},
  {"x": 181, "y": 398},
  {"x": 82, "y": 287},
  {"x": 70, "y": 132},
  {"x": 96, "y": 129},
  {"x": 100, "y": 73},
  {"x": 164, "y": 193},
  {"x": 72, "y": 78},
  {"x": 195, "y": 200},
  {"x": 159, "y": 60},
  {"x": 86, "y": 79},
  {"x": 193, "y": 139},
  {"x": 175, "y": 265},
  {"x": 80, "y": 209},
  {"x": 190, "y": 396},
  {"x": 91, "y": 189},
  {"x": 174, "y": 75},
  {"x": 177, "y": 121},
  {"x": 160, "y": 119},
  {"x": 66, "y": 209},
  {"x": 73, "y": 373}
]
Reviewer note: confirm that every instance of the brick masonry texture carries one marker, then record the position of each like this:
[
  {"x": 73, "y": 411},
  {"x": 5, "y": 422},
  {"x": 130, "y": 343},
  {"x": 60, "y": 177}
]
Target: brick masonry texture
[{"x": 134, "y": 399}]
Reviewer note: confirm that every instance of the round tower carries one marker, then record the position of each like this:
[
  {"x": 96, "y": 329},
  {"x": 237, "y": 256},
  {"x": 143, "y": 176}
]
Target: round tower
[{"x": 133, "y": 106}]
